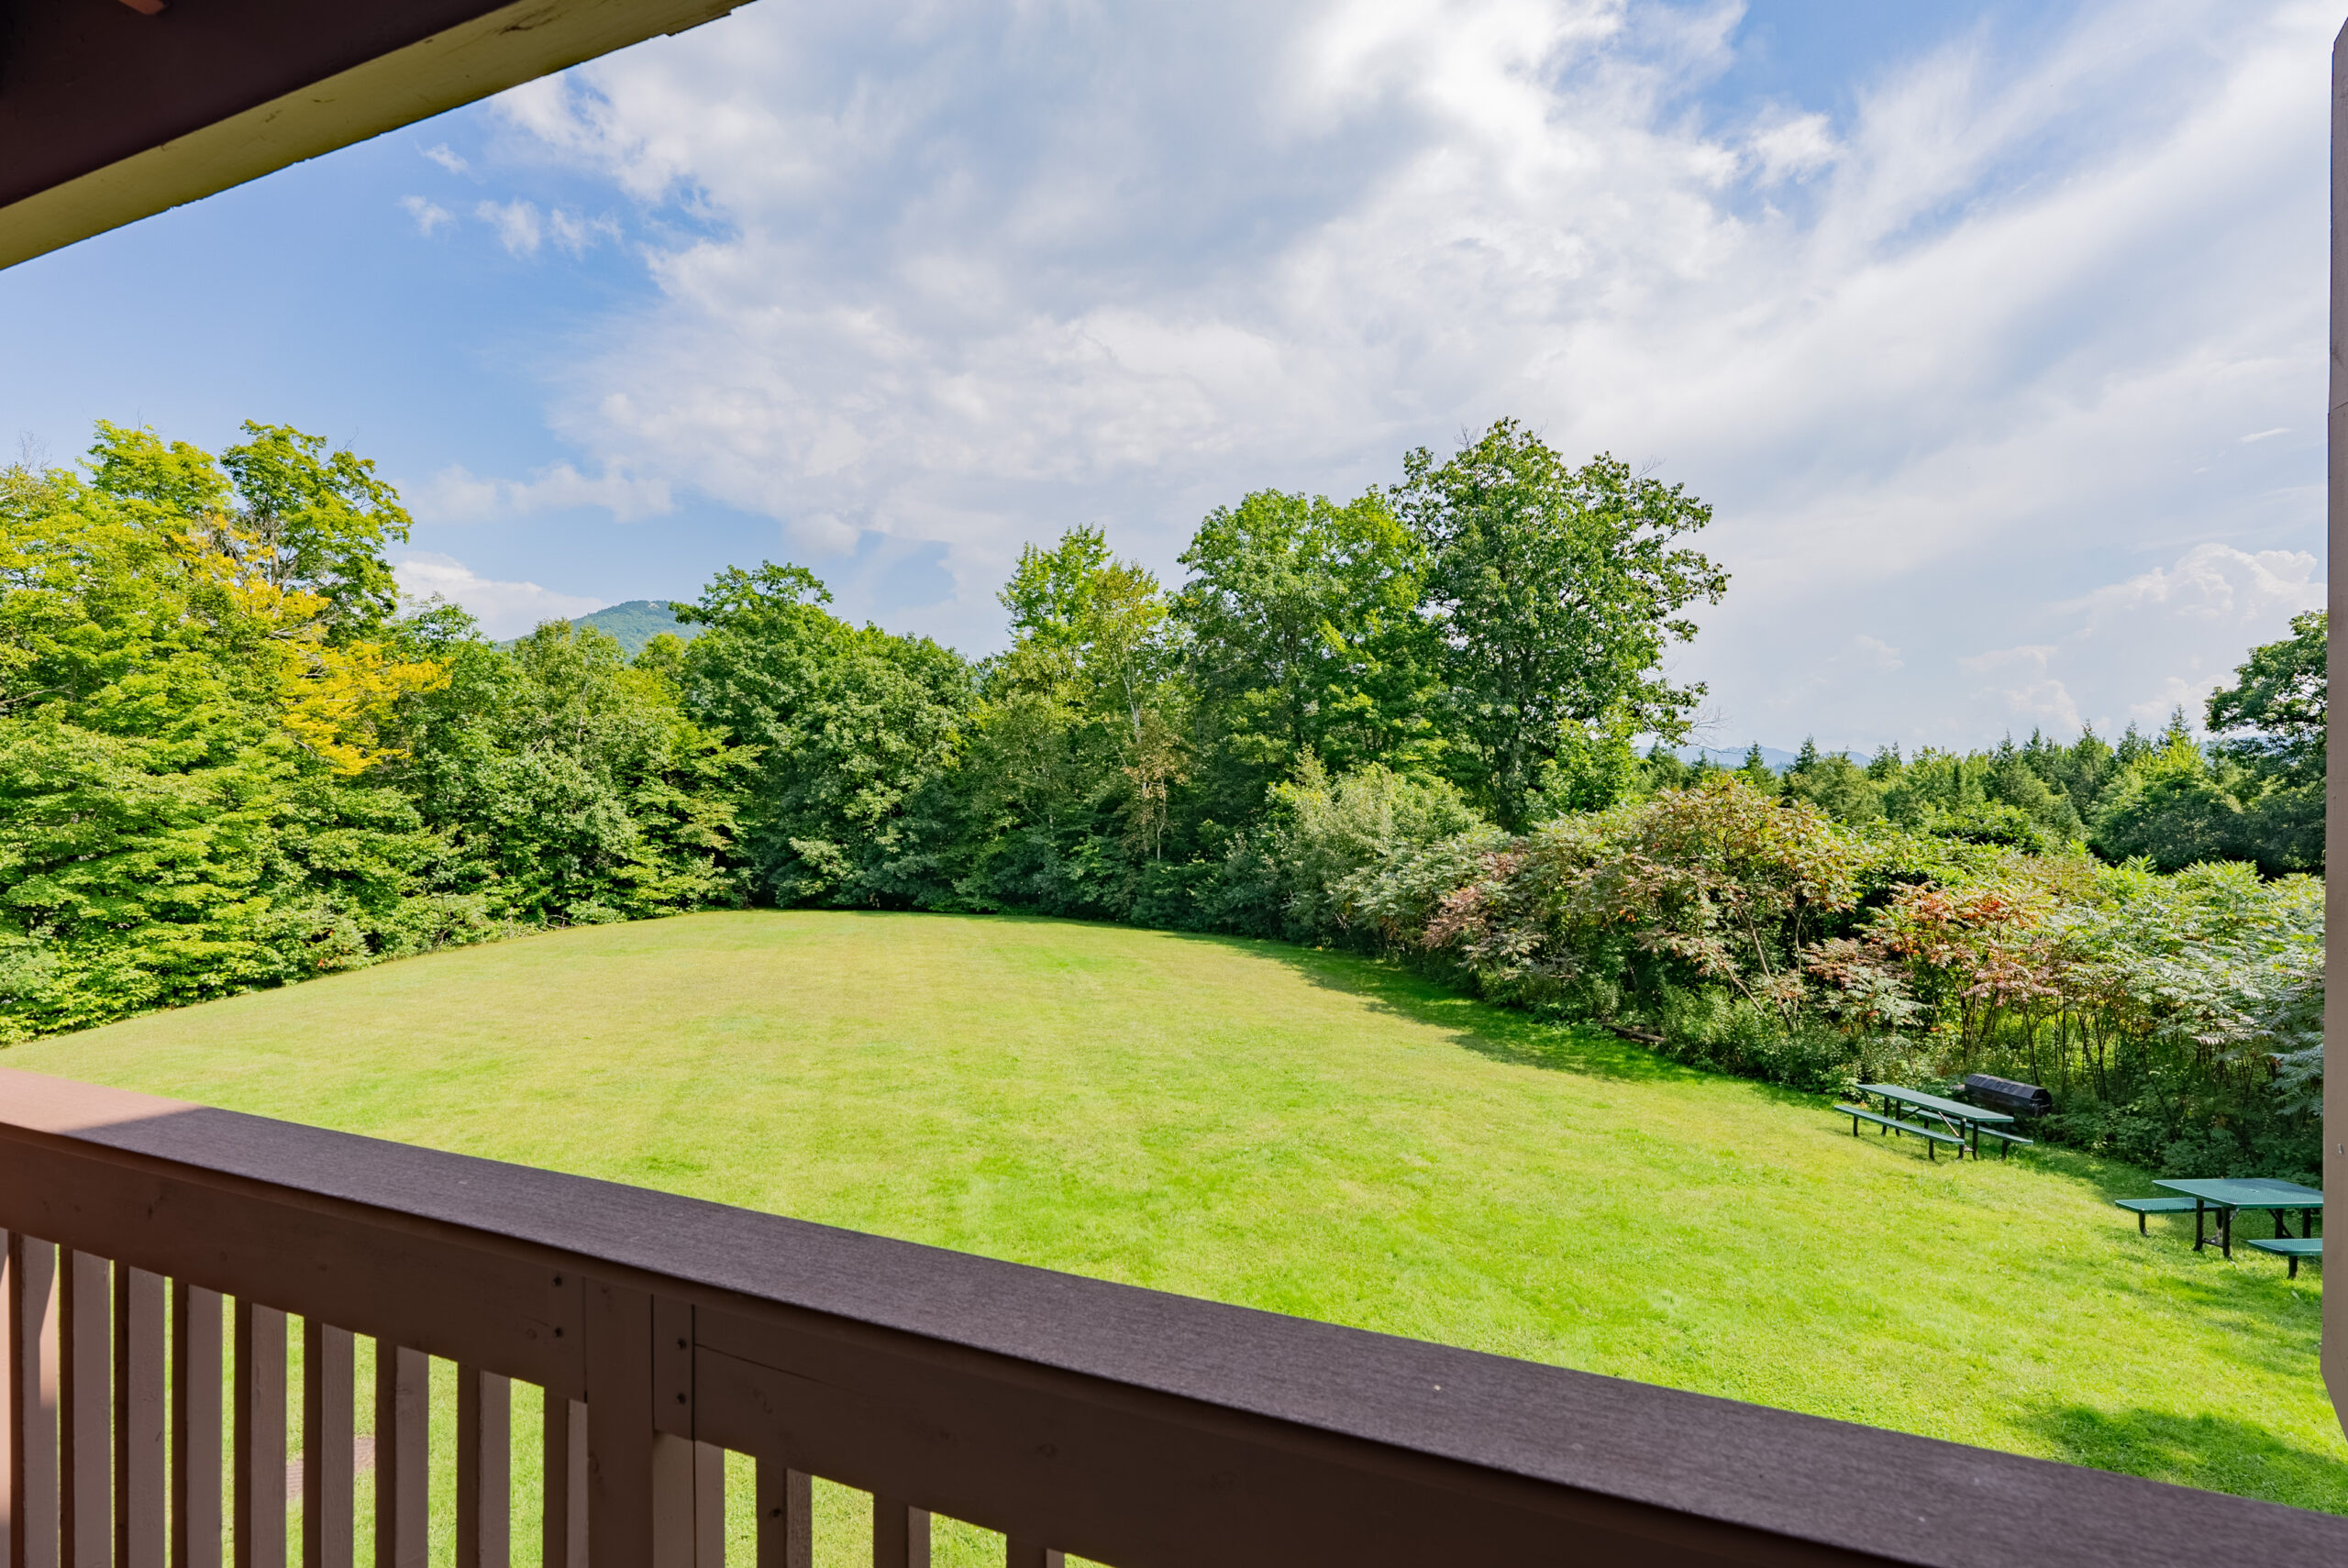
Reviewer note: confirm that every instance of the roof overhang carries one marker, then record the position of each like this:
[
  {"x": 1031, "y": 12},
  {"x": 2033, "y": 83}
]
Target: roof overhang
[{"x": 110, "y": 112}]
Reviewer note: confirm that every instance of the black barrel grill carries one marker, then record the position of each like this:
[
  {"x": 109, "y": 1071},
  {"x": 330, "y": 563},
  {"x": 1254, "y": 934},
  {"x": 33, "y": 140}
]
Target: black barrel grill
[{"x": 2006, "y": 1095}]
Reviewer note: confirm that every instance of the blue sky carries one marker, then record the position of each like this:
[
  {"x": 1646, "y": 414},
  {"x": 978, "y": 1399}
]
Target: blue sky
[{"x": 1993, "y": 332}]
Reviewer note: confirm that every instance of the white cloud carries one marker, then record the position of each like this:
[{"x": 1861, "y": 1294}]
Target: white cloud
[
  {"x": 428, "y": 214},
  {"x": 2211, "y": 583},
  {"x": 577, "y": 235},
  {"x": 504, "y": 609},
  {"x": 2179, "y": 632},
  {"x": 1940, "y": 358},
  {"x": 522, "y": 229},
  {"x": 2132, "y": 651},
  {"x": 455, "y": 494},
  {"x": 518, "y": 226},
  {"x": 1794, "y": 148},
  {"x": 1872, "y": 655},
  {"x": 454, "y": 162}
]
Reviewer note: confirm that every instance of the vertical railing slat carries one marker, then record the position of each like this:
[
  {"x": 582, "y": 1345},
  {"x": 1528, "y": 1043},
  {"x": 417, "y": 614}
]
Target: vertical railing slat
[
  {"x": 709, "y": 1506},
  {"x": 1021, "y": 1552},
  {"x": 141, "y": 1485},
  {"x": 672, "y": 1501},
  {"x": 85, "y": 1411},
  {"x": 403, "y": 1454},
  {"x": 563, "y": 1516},
  {"x": 259, "y": 1525},
  {"x": 786, "y": 1516},
  {"x": 31, "y": 1292},
  {"x": 195, "y": 1426},
  {"x": 900, "y": 1534},
  {"x": 484, "y": 1469},
  {"x": 328, "y": 1528}
]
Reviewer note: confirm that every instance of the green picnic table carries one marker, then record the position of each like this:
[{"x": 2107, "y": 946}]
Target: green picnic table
[
  {"x": 2223, "y": 1196},
  {"x": 1960, "y": 1118}
]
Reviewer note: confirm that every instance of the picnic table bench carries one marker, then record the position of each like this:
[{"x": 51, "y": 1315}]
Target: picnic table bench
[
  {"x": 1933, "y": 1137},
  {"x": 1937, "y": 1120},
  {"x": 2224, "y": 1198},
  {"x": 2139, "y": 1206},
  {"x": 2291, "y": 1247}
]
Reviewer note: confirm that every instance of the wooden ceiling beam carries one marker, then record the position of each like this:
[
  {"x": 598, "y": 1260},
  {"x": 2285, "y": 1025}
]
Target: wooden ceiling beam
[{"x": 108, "y": 115}]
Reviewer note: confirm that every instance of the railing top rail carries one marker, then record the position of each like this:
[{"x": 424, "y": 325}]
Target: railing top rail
[{"x": 1803, "y": 1479}]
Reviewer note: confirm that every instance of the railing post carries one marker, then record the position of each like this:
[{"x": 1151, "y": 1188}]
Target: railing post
[
  {"x": 140, "y": 1485},
  {"x": 259, "y": 1525},
  {"x": 30, "y": 1292},
  {"x": 676, "y": 1460},
  {"x": 639, "y": 1466},
  {"x": 195, "y": 1426},
  {"x": 85, "y": 1411}
]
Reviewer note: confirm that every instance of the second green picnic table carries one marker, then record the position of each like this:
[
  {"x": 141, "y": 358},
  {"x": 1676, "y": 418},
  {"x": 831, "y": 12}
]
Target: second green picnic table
[
  {"x": 2223, "y": 1196},
  {"x": 1960, "y": 1118}
]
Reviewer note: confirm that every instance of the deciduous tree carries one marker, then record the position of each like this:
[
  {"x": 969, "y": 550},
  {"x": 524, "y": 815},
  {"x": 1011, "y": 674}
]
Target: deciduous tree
[{"x": 1556, "y": 590}]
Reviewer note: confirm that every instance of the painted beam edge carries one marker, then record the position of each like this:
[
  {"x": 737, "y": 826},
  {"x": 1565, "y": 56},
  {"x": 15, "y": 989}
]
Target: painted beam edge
[{"x": 507, "y": 46}]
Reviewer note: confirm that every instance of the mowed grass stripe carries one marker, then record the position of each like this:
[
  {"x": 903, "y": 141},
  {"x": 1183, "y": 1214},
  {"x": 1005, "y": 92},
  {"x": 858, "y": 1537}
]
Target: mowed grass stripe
[{"x": 1310, "y": 1134}]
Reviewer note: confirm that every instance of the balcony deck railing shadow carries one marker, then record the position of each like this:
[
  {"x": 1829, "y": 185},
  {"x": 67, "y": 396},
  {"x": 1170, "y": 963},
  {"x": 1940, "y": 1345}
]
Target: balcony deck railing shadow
[{"x": 1072, "y": 1416}]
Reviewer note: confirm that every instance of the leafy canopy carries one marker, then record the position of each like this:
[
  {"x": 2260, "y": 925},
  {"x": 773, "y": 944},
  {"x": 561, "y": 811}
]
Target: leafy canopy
[
  {"x": 1556, "y": 590},
  {"x": 2272, "y": 717}
]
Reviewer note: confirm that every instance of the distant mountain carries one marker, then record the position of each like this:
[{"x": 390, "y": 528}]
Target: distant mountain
[
  {"x": 637, "y": 623},
  {"x": 1779, "y": 761}
]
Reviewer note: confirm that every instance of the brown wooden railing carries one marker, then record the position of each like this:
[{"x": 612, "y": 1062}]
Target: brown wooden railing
[{"x": 1072, "y": 1416}]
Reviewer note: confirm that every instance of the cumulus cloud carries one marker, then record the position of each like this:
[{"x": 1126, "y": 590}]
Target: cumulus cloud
[
  {"x": 517, "y": 226},
  {"x": 577, "y": 234},
  {"x": 504, "y": 609},
  {"x": 428, "y": 214},
  {"x": 2186, "y": 626},
  {"x": 2133, "y": 651},
  {"x": 454, "y": 162},
  {"x": 521, "y": 228},
  {"x": 1937, "y": 355},
  {"x": 456, "y": 494},
  {"x": 1794, "y": 148}
]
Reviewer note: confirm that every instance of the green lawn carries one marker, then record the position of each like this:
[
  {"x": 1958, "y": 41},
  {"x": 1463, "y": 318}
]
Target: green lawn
[{"x": 1313, "y": 1134}]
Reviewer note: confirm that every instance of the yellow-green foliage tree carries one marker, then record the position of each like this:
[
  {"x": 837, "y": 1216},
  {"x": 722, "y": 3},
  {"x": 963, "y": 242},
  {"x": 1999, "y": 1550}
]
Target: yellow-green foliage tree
[{"x": 193, "y": 689}]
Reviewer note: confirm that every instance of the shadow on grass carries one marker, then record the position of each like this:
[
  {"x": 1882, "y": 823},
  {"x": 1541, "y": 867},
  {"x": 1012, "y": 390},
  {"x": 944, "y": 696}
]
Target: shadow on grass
[
  {"x": 2208, "y": 1452},
  {"x": 1498, "y": 1034},
  {"x": 1519, "y": 1039},
  {"x": 2245, "y": 1313}
]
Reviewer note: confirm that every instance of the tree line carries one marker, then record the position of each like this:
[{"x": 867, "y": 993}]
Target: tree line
[
  {"x": 2256, "y": 794},
  {"x": 229, "y": 758}
]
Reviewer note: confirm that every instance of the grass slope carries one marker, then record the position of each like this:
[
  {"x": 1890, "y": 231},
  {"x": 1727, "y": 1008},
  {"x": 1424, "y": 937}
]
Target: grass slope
[{"x": 1309, "y": 1133}]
